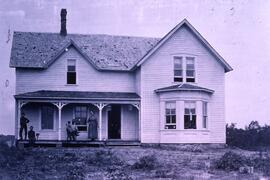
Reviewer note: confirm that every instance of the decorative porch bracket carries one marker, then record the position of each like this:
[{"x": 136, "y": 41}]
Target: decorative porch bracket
[
  {"x": 100, "y": 106},
  {"x": 20, "y": 105},
  {"x": 59, "y": 105}
]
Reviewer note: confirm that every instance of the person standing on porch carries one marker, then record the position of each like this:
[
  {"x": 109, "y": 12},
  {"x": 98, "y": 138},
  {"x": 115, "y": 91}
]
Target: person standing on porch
[
  {"x": 23, "y": 126},
  {"x": 31, "y": 136},
  {"x": 92, "y": 126}
]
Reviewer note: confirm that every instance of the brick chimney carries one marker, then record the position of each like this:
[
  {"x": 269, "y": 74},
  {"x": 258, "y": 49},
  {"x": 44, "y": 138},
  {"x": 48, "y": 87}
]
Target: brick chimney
[{"x": 63, "y": 31}]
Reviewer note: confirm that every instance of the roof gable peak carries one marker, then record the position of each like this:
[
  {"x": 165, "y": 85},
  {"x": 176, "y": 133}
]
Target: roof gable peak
[{"x": 226, "y": 66}]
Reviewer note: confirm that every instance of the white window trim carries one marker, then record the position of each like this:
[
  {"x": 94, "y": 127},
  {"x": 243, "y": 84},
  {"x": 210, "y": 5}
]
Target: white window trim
[
  {"x": 87, "y": 116},
  {"x": 184, "y": 66},
  {"x": 207, "y": 115},
  {"x": 76, "y": 70},
  {"x": 194, "y": 59},
  {"x": 196, "y": 113},
  {"x": 165, "y": 123}
]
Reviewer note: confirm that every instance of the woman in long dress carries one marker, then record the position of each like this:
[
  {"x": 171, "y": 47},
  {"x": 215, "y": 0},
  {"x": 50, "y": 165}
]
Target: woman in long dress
[{"x": 92, "y": 126}]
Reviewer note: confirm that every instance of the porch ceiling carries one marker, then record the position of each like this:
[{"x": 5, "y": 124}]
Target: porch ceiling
[{"x": 78, "y": 95}]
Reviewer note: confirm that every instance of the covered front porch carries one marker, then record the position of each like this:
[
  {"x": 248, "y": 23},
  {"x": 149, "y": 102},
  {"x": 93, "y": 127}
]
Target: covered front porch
[{"x": 117, "y": 115}]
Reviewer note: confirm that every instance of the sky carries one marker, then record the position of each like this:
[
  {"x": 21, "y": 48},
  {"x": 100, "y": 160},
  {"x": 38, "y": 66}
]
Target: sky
[{"x": 238, "y": 29}]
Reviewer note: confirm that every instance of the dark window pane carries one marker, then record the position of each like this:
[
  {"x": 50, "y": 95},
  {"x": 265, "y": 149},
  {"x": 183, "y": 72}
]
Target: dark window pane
[
  {"x": 71, "y": 77},
  {"x": 190, "y": 122},
  {"x": 71, "y": 68},
  {"x": 190, "y": 79},
  {"x": 186, "y": 111},
  {"x": 178, "y": 79},
  {"x": 178, "y": 66},
  {"x": 190, "y": 73},
  {"x": 173, "y": 117},
  {"x": 192, "y": 111},
  {"x": 190, "y": 66},
  {"x": 167, "y": 111},
  {"x": 177, "y": 72},
  {"x": 168, "y": 120}
]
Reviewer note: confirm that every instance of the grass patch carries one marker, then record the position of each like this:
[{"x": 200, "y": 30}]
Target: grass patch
[{"x": 148, "y": 162}]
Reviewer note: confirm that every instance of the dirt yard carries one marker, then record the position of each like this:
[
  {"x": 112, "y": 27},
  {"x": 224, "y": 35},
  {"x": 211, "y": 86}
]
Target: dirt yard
[{"x": 165, "y": 162}]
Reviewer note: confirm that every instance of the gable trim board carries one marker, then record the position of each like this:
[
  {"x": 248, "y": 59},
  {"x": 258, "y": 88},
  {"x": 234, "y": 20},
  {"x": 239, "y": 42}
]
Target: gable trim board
[
  {"x": 66, "y": 48},
  {"x": 226, "y": 66}
]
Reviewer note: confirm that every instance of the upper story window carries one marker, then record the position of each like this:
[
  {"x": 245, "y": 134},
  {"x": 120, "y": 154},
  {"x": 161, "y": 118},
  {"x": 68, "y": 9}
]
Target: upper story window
[
  {"x": 190, "y": 69},
  {"x": 190, "y": 115},
  {"x": 178, "y": 69},
  {"x": 170, "y": 115},
  {"x": 205, "y": 115},
  {"x": 71, "y": 71}
]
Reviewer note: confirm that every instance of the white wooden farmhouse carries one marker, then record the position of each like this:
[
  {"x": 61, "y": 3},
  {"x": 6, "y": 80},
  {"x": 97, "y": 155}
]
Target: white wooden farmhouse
[{"x": 145, "y": 90}]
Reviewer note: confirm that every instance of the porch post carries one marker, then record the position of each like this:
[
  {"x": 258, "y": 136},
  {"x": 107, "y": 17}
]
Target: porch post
[
  {"x": 19, "y": 106},
  {"x": 137, "y": 105},
  {"x": 100, "y": 106},
  {"x": 59, "y": 105}
]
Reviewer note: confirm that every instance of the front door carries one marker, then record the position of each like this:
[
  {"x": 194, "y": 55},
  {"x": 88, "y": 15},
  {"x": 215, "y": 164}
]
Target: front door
[{"x": 114, "y": 122}]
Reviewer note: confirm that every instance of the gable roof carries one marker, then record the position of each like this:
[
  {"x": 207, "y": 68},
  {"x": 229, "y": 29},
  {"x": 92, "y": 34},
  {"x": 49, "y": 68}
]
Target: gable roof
[
  {"x": 105, "y": 52},
  {"x": 185, "y": 22},
  {"x": 184, "y": 87},
  {"x": 78, "y": 95}
]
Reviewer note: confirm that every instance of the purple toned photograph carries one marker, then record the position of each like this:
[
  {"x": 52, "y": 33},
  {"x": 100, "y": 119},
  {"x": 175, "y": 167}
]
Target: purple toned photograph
[{"x": 128, "y": 89}]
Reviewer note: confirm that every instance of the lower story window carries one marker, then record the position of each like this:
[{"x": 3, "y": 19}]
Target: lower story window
[
  {"x": 190, "y": 115},
  {"x": 47, "y": 117},
  {"x": 170, "y": 115},
  {"x": 204, "y": 124},
  {"x": 80, "y": 120}
]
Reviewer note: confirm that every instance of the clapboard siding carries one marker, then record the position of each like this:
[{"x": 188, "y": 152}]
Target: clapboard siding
[
  {"x": 88, "y": 78},
  {"x": 130, "y": 121},
  {"x": 157, "y": 72}
]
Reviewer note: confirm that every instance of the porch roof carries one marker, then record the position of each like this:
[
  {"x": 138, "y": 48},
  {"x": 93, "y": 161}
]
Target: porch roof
[
  {"x": 184, "y": 87},
  {"x": 78, "y": 95}
]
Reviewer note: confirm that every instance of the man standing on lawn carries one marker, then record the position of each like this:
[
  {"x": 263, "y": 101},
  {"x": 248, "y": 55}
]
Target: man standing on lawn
[{"x": 23, "y": 124}]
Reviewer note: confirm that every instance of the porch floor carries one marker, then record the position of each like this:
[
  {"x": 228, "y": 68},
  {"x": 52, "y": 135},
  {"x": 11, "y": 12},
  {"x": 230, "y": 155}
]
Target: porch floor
[{"x": 77, "y": 143}]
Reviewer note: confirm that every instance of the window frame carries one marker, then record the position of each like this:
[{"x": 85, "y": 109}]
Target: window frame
[
  {"x": 185, "y": 58},
  {"x": 195, "y": 114},
  {"x": 192, "y": 58},
  {"x": 171, "y": 124},
  {"x": 75, "y": 71},
  {"x": 40, "y": 118},
  {"x": 178, "y": 69},
  {"x": 79, "y": 126},
  {"x": 205, "y": 110}
]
